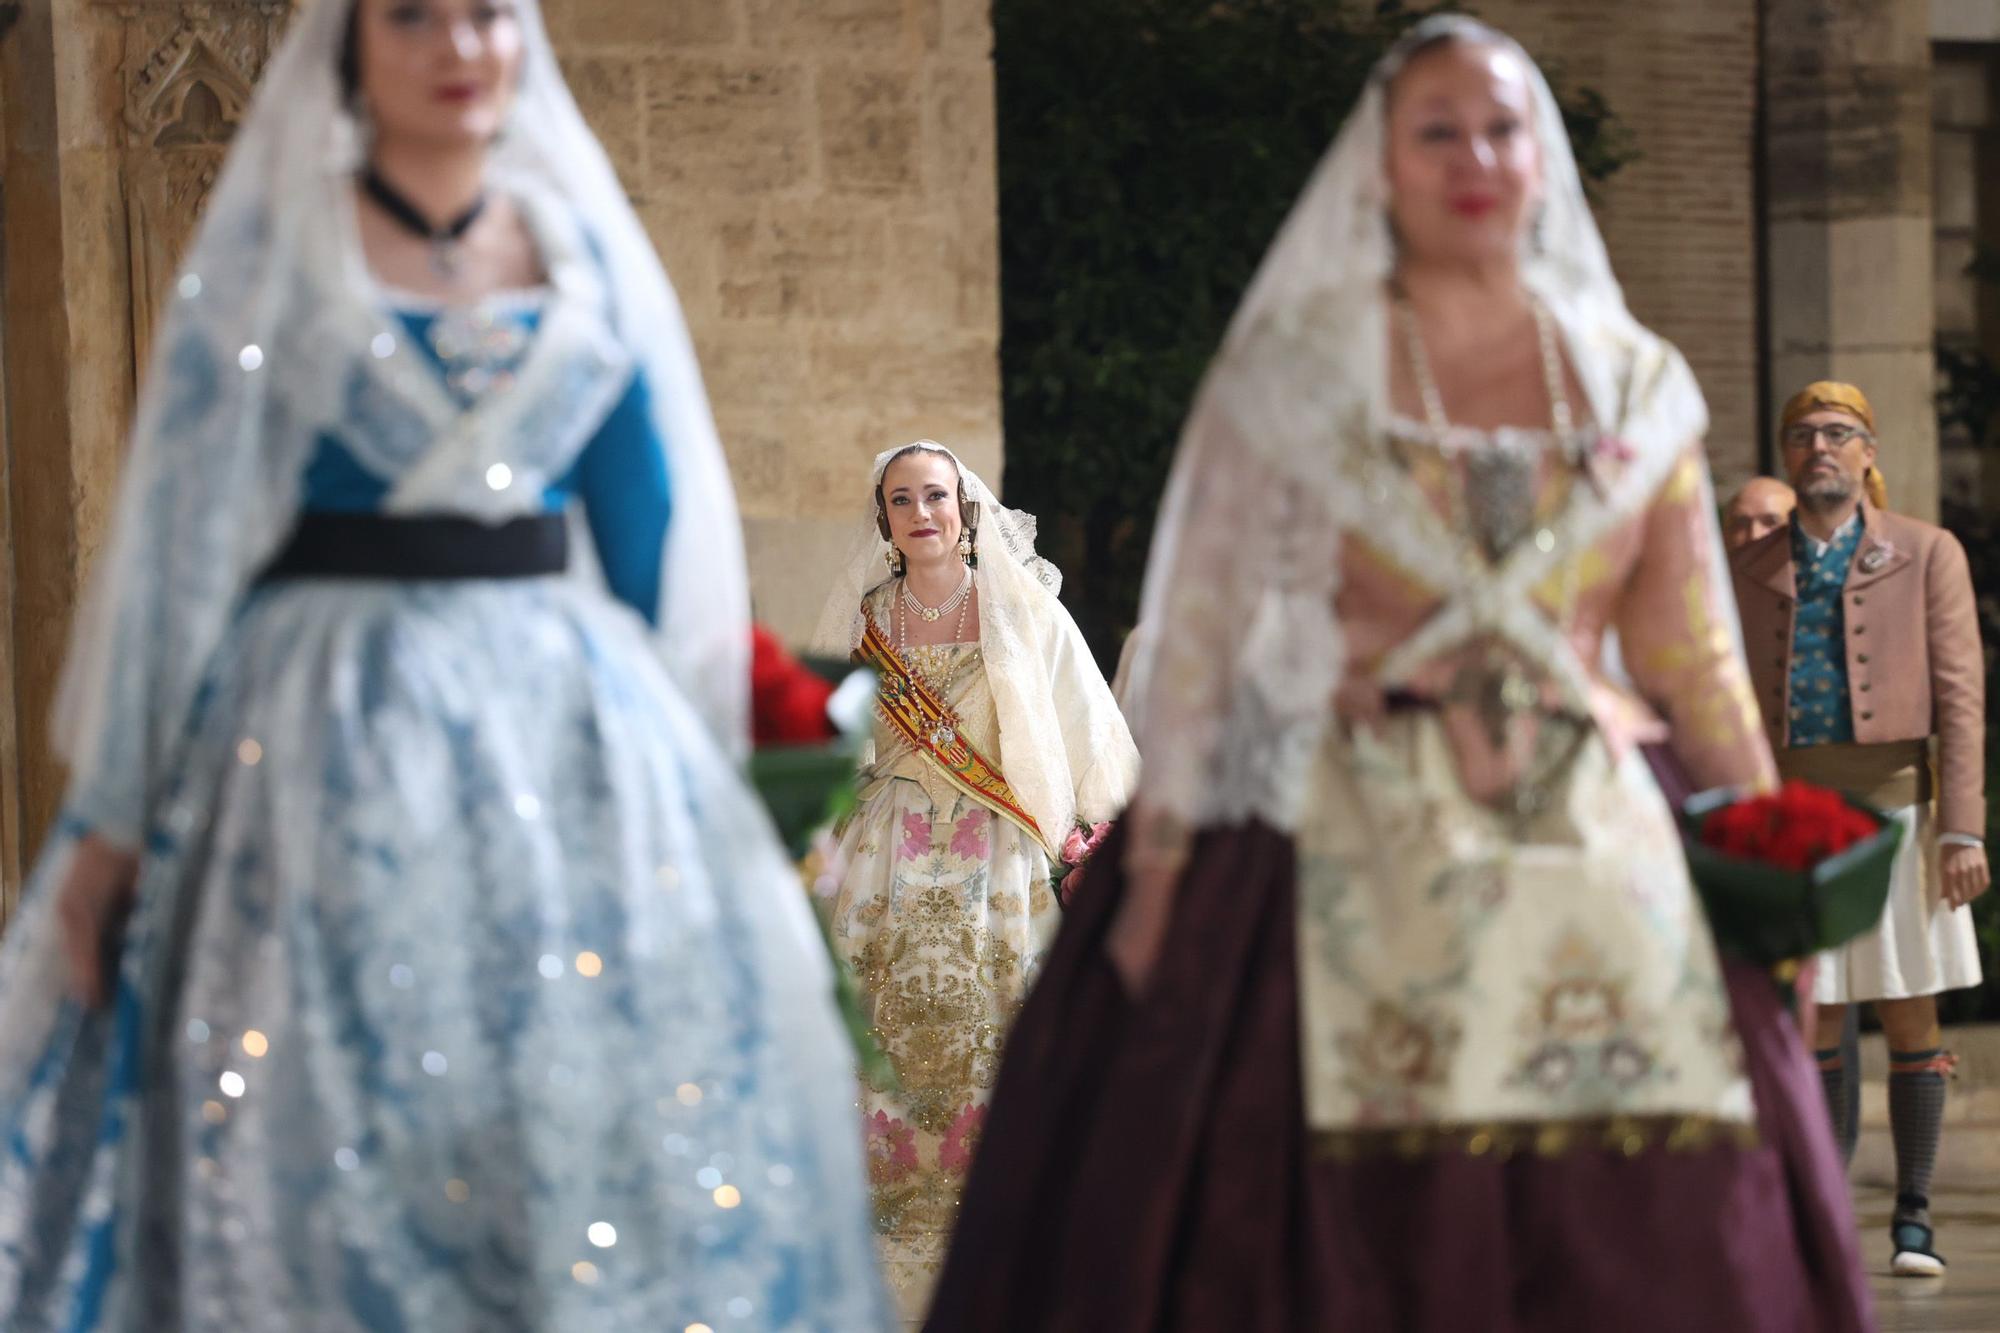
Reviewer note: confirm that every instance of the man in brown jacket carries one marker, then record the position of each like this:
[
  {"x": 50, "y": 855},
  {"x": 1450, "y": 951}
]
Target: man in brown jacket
[{"x": 1863, "y": 640}]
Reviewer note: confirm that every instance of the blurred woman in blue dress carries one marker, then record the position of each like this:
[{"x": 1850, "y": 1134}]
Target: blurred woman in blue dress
[{"x": 411, "y": 954}]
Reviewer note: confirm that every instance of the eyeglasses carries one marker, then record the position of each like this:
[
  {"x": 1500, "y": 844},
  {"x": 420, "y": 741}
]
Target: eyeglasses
[{"x": 1837, "y": 434}]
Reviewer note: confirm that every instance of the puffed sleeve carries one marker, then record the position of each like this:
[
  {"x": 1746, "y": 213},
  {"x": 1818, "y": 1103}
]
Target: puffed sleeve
[
  {"x": 1677, "y": 622},
  {"x": 623, "y": 481}
]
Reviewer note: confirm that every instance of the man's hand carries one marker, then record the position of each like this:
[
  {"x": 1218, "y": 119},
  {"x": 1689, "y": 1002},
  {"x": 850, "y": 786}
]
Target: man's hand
[{"x": 1965, "y": 873}]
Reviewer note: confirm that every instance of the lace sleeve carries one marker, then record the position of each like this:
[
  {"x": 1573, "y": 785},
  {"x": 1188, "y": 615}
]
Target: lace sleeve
[
  {"x": 1103, "y": 761},
  {"x": 1234, "y": 676}
]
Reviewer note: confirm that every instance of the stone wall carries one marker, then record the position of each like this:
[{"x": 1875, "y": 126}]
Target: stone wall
[
  {"x": 1848, "y": 225},
  {"x": 1681, "y": 221},
  {"x": 819, "y": 175}
]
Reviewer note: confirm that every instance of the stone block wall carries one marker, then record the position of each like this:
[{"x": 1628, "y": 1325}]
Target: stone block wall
[
  {"x": 1681, "y": 221},
  {"x": 1852, "y": 282},
  {"x": 819, "y": 176}
]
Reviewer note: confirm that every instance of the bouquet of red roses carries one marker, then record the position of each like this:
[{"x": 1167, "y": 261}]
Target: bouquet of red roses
[{"x": 1789, "y": 873}]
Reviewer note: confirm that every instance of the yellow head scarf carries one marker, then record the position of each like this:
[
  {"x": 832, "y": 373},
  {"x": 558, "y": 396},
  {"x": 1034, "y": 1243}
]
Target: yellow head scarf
[{"x": 1832, "y": 395}]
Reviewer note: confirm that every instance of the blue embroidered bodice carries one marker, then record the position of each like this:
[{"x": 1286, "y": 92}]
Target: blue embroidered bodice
[
  {"x": 1820, "y": 712},
  {"x": 620, "y": 476}
]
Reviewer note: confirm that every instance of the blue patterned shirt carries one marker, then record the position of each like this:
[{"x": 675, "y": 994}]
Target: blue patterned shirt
[{"x": 1820, "y": 709}]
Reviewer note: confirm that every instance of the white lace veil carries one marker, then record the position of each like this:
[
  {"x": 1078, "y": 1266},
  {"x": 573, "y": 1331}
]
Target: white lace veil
[
  {"x": 1064, "y": 746},
  {"x": 1239, "y": 652},
  {"x": 272, "y": 295},
  {"x": 1337, "y": 236}
]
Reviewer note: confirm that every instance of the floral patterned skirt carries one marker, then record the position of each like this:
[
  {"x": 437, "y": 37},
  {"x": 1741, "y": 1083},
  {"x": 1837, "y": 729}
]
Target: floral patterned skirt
[{"x": 944, "y": 914}]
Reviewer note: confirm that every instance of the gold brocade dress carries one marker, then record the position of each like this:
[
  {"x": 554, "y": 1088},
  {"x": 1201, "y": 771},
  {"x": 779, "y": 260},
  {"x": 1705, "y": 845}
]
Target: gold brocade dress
[{"x": 944, "y": 910}]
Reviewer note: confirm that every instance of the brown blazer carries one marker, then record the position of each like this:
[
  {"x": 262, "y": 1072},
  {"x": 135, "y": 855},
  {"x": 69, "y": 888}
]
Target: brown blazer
[{"x": 1914, "y": 665}]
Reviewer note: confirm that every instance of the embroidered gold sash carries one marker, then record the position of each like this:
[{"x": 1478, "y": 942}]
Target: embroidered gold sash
[{"x": 915, "y": 712}]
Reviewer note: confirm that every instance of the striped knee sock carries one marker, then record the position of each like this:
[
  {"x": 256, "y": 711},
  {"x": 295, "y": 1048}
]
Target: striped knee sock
[
  {"x": 1850, "y": 1055},
  {"x": 1916, "y": 1119},
  {"x": 1833, "y": 1080}
]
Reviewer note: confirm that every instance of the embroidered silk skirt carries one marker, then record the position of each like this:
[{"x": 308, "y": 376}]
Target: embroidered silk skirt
[
  {"x": 1146, "y": 1166},
  {"x": 944, "y": 910},
  {"x": 468, "y": 988}
]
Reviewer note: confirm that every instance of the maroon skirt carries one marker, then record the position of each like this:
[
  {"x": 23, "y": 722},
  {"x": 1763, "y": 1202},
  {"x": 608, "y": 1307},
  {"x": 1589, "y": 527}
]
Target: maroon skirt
[{"x": 1146, "y": 1166}]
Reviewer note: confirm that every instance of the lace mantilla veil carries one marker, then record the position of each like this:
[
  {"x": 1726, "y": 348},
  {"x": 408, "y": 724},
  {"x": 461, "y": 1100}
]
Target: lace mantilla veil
[
  {"x": 1065, "y": 747},
  {"x": 1232, "y": 681},
  {"x": 275, "y": 316}
]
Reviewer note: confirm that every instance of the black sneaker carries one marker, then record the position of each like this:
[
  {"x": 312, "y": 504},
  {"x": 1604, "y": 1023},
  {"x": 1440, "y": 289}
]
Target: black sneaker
[{"x": 1914, "y": 1256}]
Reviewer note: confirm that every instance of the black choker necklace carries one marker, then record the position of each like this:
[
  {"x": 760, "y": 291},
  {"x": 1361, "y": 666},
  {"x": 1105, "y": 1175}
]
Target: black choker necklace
[{"x": 444, "y": 240}]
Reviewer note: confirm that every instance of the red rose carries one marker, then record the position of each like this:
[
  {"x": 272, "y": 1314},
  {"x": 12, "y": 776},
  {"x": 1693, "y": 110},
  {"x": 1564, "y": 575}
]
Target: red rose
[
  {"x": 787, "y": 702},
  {"x": 1794, "y": 829}
]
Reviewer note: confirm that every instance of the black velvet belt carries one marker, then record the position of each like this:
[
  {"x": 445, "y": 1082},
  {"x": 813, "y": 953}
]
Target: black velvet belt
[{"x": 383, "y": 546}]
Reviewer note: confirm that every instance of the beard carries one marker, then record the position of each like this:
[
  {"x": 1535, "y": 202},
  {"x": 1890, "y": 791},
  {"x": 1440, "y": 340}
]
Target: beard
[{"x": 1827, "y": 490}]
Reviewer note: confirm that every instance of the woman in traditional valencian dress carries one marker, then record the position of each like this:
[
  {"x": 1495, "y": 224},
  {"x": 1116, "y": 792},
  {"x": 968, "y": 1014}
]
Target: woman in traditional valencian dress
[
  {"x": 995, "y": 739},
  {"x": 1401, "y": 1012},
  {"x": 465, "y": 984}
]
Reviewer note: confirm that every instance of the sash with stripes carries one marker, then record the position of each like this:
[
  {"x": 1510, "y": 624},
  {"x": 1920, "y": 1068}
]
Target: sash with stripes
[{"x": 915, "y": 712}]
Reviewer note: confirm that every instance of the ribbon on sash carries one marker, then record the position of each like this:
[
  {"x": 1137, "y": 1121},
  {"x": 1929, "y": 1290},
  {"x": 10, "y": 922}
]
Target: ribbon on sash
[{"x": 915, "y": 712}]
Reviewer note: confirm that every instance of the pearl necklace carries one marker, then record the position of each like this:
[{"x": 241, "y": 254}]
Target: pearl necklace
[
  {"x": 962, "y": 599},
  {"x": 933, "y": 614},
  {"x": 1560, "y": 417},
  {"x": 946, "y": 730},
  {"x": 1493, "y": 503}
]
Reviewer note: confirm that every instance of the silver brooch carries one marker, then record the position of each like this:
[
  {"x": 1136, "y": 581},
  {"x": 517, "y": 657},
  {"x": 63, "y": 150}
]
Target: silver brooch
[{"x": 1875, "y": 558}]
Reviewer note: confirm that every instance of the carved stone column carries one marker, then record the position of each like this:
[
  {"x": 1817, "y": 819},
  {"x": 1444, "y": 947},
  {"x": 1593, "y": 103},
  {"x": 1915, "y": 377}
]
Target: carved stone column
[{"x": 1847, "y": 145}]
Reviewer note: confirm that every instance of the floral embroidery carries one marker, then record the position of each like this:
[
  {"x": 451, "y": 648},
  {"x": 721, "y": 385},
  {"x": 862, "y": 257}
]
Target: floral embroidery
[
  {"x": 1475, "y": 888},
  {"x": 892, "y": 1149},
  {"x": 944, "y": 911},
  {"x": 916, "y": 837},
  {"x": 1434, "y": 991},
  {"x": 1396, "y": 1060},
  {"x": 968, "y": 839},
  {"x": 1582, "y": 1035},
  {"x": 1820, "y": 706},
  {"x": 955, "y": 1153}
]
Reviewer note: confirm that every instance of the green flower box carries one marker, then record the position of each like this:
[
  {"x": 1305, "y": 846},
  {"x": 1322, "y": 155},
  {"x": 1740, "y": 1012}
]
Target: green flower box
[
  {"x": 1769, "y": 915},
  {"x": 805, "y": 787}
]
